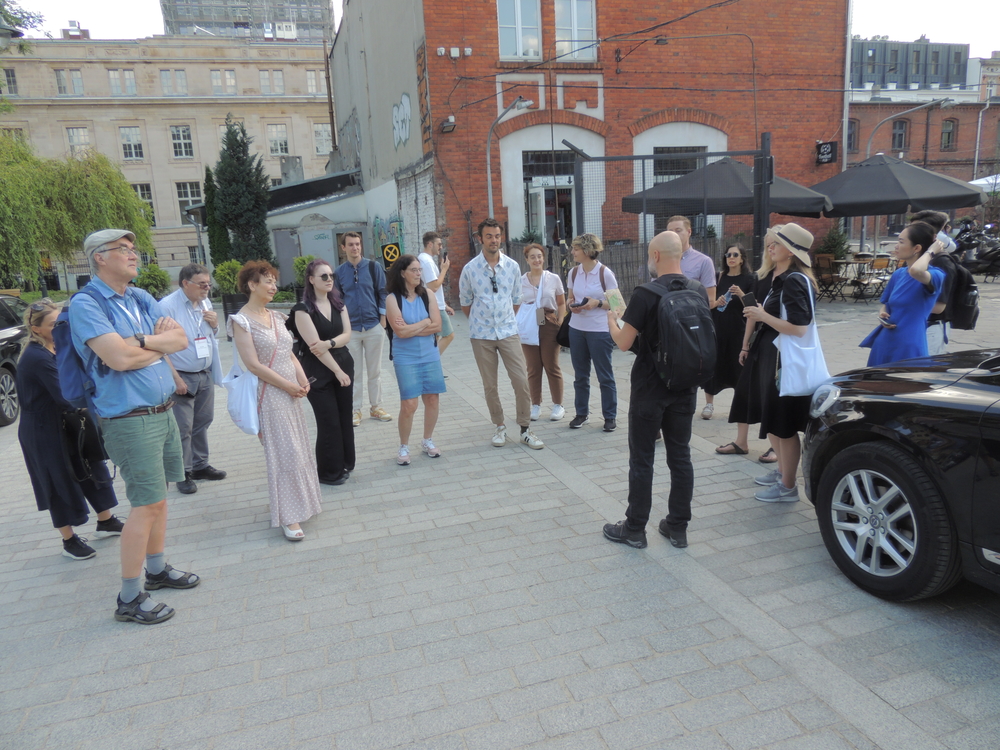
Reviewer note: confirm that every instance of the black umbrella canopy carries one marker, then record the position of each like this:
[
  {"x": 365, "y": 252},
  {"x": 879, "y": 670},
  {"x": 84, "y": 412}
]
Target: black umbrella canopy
[
  {"x": 883, "y": 185},
  {"x": 723, "y": 187}
]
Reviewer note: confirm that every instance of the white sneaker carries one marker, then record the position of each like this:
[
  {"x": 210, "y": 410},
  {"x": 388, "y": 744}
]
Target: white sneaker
[
  {"x": 500, "y": 437},
  {"x": 536, "y": 411},
  {"x": 428, "y": 447},
  {"x": 530, "y": 440},
  {"x": 558, "y": 412},
  {"x": 403, "y": 457},
  {"x": 708, "y": 411}
]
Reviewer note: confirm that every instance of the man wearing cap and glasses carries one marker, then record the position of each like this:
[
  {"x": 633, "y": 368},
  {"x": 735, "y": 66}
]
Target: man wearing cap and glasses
[
  {"x": 130, "y": 336},
  {"x": 197, "y": 370},
  {"x": 490, "y": 293}
]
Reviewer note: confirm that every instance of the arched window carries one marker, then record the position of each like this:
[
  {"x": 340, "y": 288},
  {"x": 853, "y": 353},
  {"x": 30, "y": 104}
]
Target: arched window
[{"x": 949, "y": 135}]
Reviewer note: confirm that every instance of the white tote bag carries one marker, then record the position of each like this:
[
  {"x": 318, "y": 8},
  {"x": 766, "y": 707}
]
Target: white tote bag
[
  {"x": 527, "y": 324},
  {"x": 241, "y": 387},
  {"x": 803, "y": 366}
]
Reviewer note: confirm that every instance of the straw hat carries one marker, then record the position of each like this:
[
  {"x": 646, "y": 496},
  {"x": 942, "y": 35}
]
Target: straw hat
[{"x": 797, "y": 239}]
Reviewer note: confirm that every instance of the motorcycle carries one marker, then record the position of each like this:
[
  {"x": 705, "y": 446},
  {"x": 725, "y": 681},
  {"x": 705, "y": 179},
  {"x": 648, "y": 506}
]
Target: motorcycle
[{"x": 985, "y": 250}]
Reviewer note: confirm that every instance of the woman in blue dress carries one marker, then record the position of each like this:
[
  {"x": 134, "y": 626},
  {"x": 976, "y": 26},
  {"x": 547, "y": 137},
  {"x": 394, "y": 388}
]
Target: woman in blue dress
[
  {"x": 415, "y": 357},
  {"x": 908, "y": 299}
]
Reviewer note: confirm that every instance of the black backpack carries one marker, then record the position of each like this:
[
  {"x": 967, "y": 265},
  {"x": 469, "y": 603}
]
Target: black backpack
[
  {"x": 962, "y": 311},
  {"x": 685, "y": 354}
]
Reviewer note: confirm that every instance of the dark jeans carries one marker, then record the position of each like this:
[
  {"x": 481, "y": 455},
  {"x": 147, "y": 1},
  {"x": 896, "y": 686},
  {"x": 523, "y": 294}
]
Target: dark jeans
[
  {"x": 586, "y": 347},
  {"x": 331, "y": 404},
  {"x": 673, "y": 415}
]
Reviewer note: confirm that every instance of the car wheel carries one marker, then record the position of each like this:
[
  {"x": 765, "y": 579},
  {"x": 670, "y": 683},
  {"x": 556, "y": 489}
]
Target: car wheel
[
  {"x": 885, "y": 524},
  {"x": 9, "y": 406}
]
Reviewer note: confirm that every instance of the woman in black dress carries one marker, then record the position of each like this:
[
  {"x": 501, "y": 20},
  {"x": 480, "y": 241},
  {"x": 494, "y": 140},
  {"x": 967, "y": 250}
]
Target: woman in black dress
[
  {"x": 729, "y": 326},
  {"x": 782, "y": 417},
  {"x": 321, "y": 324},
  {"x": 46, "y": 449}
]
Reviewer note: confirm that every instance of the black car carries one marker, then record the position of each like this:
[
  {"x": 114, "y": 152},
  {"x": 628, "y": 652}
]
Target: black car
[
  {"x": 12, "y": 333},
  {"x": 903, "y": 465}
]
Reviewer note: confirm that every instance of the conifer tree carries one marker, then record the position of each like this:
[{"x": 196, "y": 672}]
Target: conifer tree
[
  {"x": 220, "y": 249},
  {"x": 241, "y": 195}
]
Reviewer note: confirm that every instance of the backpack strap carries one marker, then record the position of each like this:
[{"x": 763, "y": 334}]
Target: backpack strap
[{"x": 604, "y": 284}]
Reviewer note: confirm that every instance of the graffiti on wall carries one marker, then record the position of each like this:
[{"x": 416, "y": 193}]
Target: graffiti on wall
[
  {"x": 401, "y": 121},
  {"x": 387, "y": 230}
]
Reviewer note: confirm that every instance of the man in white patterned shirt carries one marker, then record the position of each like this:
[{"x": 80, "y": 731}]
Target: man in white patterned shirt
[{"x": 490, "y": 293}]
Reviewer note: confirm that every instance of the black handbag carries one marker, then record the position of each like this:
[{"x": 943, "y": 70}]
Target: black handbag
[
  {"x": 83, "y": 443},
  {"x": 562, "y": 337}
]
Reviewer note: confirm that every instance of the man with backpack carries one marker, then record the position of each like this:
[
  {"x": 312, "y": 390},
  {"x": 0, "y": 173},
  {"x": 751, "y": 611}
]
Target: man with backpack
[
  {"x": 674, "y": 355},
  {"x": 120, "y": 336}
]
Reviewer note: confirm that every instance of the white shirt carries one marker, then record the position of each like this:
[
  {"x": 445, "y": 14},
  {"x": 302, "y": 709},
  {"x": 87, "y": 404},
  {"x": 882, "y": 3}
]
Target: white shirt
[
  {"x": 583, "y": 284},
  {"x": 429, "y": 272}
]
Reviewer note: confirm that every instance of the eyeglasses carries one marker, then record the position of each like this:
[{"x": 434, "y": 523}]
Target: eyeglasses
[
  {"x": 201, "y": 284},
  {"x": 328, "y": 276},
  {"x": 122, "y": 249},
  {"x": 732, "y": 255},
  {"x": 493, "y": 281},
  {"x": 413, "y": 268}
]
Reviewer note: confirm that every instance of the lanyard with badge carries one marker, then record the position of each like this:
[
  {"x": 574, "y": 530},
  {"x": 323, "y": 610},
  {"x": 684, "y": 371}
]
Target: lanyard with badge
[
  {"x": 135, "y": 319},
  {"x": 202, "y": 349}
]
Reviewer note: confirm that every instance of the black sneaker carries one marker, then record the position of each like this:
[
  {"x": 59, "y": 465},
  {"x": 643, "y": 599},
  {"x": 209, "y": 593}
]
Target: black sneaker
[
  {"x": 109, "y": 527},
  {"x": 578, "y": 421},
  {"x": 677, "y": 537},
  {"x": 77, "y": 548},
  {"x": 187, "y": 487},
  {"x": 610, "y": 425},
  {"x": 209, "y": 472},
  {"x": 620, "y": 532}
]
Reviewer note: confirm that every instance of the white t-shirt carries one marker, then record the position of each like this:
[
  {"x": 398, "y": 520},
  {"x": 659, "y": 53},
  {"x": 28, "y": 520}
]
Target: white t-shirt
[{"x": 429, "y": 272}]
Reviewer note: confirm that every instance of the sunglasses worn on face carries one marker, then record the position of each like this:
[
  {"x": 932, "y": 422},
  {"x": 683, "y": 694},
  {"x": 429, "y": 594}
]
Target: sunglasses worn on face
[
  {"x": 328, "y": 276},
  {"x": 201, "y": 284},
  {"x": 732, "y": 255}
]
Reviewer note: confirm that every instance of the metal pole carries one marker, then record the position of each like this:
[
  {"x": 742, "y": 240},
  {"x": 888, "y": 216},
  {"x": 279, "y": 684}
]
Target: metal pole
[
  {"x": 979, "y": 133},
  {"x": 334, "y": 140},
  {"x": 489, "y": 144}
]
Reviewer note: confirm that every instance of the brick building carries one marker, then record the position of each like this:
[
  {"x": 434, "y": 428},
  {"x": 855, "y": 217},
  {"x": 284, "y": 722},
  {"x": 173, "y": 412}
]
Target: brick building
[{"x": 418, "y": 85}]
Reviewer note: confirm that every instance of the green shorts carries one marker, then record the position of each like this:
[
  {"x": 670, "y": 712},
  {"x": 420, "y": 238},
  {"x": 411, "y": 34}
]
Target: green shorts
[
  {"x": 148, "y": 452},
  {"x": 446, "y": 327}
]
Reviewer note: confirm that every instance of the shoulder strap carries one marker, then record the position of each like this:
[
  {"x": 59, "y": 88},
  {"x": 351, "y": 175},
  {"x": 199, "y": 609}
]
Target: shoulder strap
[
  {"x": 604, "y": 285},
  {"x": 371, "y": 270}
]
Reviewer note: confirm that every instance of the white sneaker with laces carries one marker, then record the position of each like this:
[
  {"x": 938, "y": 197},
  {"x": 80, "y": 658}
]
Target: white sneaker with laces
[
  {"x": 403, "y": 458},
  {"x": 772, "y": 477},
  {"x": 531, "y": 440},
  {"x": 536, "y": 411},
  {"x": 778, "y": 493},
  {"x": 499, "y": 437},
  {"x": 428, "y": 447},
  {"x": 558, "y": 412}
]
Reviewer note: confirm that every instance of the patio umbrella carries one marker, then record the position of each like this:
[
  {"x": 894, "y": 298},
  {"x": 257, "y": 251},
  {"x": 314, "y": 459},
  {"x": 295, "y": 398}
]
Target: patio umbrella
[
  {"x": 883, "y": 185},
  {"x": 990, "y": 184},
  {"x": 723, "y": 187}
]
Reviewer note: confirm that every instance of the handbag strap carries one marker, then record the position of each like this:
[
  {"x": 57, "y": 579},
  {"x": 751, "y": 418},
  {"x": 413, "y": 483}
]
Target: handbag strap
[
  {"x": 812, "y": 302},
  {"x": 236, "y": 355}
]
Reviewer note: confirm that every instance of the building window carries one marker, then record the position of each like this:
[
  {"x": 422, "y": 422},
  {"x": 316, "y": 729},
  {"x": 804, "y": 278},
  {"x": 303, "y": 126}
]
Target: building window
[
  {"x": 957, "y": 58},
  {"x": 180, "y": 137},
  {"x": 15, "y": 133},
  {"x": 122, "y": 82},
  {"x": 312, "y": 81},
  {"x": 900, "y": 129},
  {"x": 145, "y": 192},
  {"x": 79, "y": 140},
  {"x": 852, "y": 136},
  {"x": 893, "y": 61},
  {"x": 871, "y": 61},
  {"x": 575, "y": 36},
  {"x": 322, "y": 139},
  {"x": 272, "y": 82},
  {"x": 949, "y": 135},
  {"x": 665, "y": 170},
  {"x": 223, "y": 82},
  {"x": 520, "y": 33},
  {"x": 916, "y": 62},
  {"x": 69, "y": 82},
  {"x": 935, "y": 63},
  {"x": 180, "y": 82},
  {"x": 277, "y": 140},
  {"x": 131, "y": 143},
  {"x": 275, "y": 182},
  {"x": 9, "y": 84},
  {"x": 196, "y": 254},
  {"x": 173, "y": 82},
  {"x": 265, "y": 81},
  {"x": 188, "y": 194}
]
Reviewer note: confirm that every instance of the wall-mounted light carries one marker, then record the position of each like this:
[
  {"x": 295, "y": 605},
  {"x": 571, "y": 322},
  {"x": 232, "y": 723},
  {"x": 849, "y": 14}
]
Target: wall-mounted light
[
  {"x": 7, "y": 33},
  {"x": 449, "y": 124}
]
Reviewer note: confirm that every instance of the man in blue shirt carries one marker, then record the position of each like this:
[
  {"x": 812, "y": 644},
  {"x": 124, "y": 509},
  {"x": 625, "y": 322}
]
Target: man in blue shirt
[
  {"x": 133, "y": 388},
  {"x": 362, "y": 283},
  {"x": 197, "y": 370}
]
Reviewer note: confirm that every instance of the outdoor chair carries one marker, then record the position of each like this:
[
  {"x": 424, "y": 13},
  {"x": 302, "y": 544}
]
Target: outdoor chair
[
  {"x": 831, "y": 282},
  {"x": 872, "y": 279}
]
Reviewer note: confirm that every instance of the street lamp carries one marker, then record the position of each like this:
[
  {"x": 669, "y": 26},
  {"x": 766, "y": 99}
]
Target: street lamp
[
  {"x": 519, "y": 103},
  {"x": 945, "y": 103},
  {"x": 6, "y": 34}
]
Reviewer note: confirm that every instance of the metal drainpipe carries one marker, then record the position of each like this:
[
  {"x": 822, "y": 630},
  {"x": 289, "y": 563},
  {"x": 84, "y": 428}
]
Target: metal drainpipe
[{"x": 979, "y": 133}]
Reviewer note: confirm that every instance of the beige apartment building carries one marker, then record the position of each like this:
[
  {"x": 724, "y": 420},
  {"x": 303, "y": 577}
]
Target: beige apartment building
[{"x": 157, "y": 107}]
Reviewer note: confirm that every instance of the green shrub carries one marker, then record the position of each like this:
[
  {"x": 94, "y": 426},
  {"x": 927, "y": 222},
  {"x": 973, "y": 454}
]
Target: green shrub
[
  {"x": 833, "y": 243},
  {"x": 300, "y": 264},
  {"x": 154, "y": 280},
  {"x": 225, "y": 276},
  {"x": 284, "y": 297},
  {"x": 528, "y": 236}
]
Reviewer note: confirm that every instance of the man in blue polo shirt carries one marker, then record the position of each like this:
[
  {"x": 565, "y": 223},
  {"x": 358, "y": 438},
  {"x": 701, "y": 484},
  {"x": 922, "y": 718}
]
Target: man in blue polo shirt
[
  {"x": 363, "y": 285},
  {"x": 134, "y": 384}
]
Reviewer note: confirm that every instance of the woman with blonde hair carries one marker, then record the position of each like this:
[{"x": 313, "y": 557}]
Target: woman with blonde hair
[
  {"x": 542, "y": 308},
  {"x": 63, "y": 481},
  {"x": 589, "y": 336},
  {"x": 782, "y": 417}
]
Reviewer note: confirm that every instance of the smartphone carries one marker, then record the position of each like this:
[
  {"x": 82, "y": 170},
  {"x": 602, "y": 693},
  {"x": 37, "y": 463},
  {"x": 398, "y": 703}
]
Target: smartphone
[
  {"x": 310, "y": 381},
  {"x": 749, "y": 300},
  {"x": 582, "y": 302},
  {"x": 887, "y": 322}
]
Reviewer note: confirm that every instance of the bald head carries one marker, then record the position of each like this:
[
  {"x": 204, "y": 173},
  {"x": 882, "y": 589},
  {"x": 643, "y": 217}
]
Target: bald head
[{"x": 665, "y": 251}]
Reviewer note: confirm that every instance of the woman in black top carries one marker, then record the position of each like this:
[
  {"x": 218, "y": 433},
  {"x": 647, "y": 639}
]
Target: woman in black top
[
  {"x": 322, "y": 325},
  {"x": 782, "y": 417},
  {"x": 727, "y": 316}
]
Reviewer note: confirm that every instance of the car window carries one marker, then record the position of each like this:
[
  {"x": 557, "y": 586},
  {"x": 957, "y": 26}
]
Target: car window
[{"x": 7, "y": 318}]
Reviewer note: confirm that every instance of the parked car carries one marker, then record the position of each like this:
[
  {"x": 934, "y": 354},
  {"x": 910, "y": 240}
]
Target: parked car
[
  {"x": 12, "y": 333},
  {"x": 903, "y": 465}
]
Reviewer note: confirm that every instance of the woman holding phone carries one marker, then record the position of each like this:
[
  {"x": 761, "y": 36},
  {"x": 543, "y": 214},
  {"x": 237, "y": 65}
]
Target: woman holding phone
[{"x": 543, "y": 290}]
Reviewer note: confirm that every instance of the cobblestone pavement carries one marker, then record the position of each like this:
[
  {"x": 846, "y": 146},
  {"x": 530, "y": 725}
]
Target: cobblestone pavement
[{"x": 472, "y": 602}]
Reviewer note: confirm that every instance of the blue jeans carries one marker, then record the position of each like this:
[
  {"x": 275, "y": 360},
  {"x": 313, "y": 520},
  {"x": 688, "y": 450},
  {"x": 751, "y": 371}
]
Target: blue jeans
[
  {"x": 673, "y": 415},
  {"x": 586, "y": 347}
]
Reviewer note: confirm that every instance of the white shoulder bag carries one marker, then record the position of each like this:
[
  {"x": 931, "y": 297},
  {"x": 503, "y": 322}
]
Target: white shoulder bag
[{"x": 802, "y": 365}]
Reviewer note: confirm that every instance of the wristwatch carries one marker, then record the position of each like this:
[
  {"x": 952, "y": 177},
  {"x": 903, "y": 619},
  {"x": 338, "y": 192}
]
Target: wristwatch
[
  {"x": 141, "y": 338},
  {"x": 600, "y": 303}
]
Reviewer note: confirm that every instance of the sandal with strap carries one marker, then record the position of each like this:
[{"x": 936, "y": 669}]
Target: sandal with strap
[
  {"x": 131, "y": 612},
  {"x": 768, "y": 457},
  {"x": 164, "y": 581},
  {"x": 730, "y": 449}
]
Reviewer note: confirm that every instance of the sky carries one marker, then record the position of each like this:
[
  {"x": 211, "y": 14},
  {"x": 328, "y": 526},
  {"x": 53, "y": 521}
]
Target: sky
[{"x": 951, "y": 22}]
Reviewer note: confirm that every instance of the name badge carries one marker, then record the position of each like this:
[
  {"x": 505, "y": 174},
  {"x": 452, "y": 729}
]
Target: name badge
[{"x": 202, "y": 348}]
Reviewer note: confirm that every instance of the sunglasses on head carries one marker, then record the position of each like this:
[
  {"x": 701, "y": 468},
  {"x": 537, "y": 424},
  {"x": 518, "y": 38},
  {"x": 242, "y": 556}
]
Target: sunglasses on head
[{"x": 39, "y": 306}]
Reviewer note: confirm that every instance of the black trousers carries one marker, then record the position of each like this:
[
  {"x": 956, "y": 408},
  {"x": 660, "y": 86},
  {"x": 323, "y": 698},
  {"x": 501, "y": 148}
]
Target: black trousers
[
  {"x": 673, "y": 415},
  {"x": 332, "y": 404}
]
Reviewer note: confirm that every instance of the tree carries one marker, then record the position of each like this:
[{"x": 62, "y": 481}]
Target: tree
[
  {"x": 219, "y": 246},
  {"x": 241, "y": 197},
  {"x": 23, "y": 20}
]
